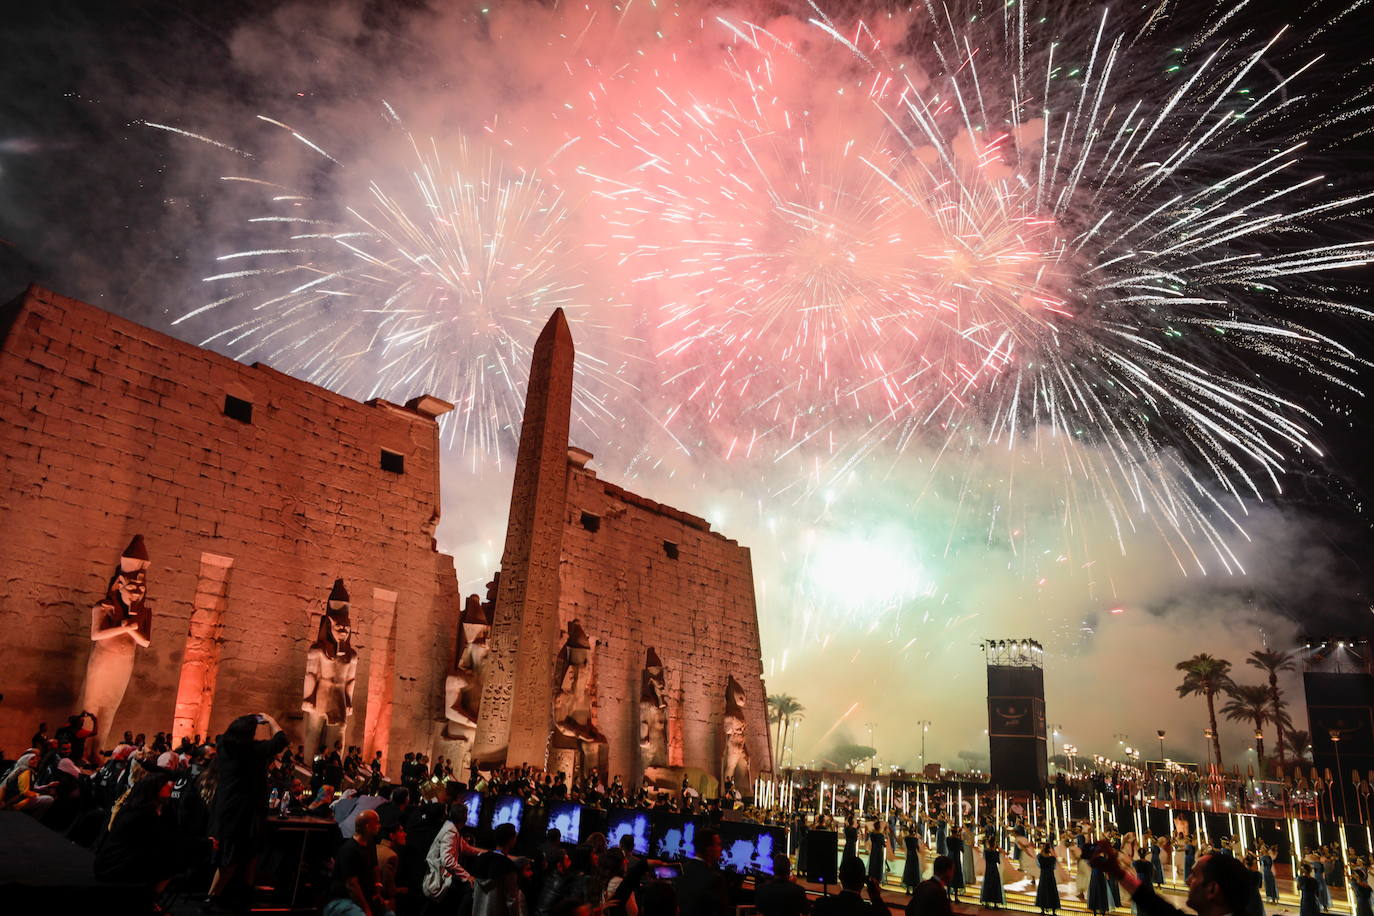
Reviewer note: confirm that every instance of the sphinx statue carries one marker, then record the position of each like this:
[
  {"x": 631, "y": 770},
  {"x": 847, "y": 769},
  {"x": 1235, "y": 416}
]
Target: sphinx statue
[
  {"x": 121, "y": 623},
  {"x": 463, "y": 686},
  {"x": 653, "y": 713},
  {"x": 735, "y": 765},
  {"x": 331, "y": 667},
  {"x": 572, "y": 703}
]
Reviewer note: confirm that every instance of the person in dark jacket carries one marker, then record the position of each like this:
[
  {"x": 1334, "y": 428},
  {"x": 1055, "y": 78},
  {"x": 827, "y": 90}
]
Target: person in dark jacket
[
  {"x": 781, "y": 896},
  {"x": 931, "y": 897},
  {"x": 142, "y": 845},
  {"x": 702, "y": 889},
  {"x": 238, "y": 816},
  {"x": 848, "y": 902}
]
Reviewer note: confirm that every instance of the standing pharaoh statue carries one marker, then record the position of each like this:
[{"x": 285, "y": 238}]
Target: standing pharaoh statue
[
  {"x": 735, "y": 766},
  {"x": 120, "y": 624},
  {"x": 572, "y": 704},
  {"x": 331, "y": 666},
  {"x": 463, "y": 686},
  {"x": 653, "y": 713}
]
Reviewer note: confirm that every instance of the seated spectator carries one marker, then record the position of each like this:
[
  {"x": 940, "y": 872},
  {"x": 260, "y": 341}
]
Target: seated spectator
[
  {"x": 613, "y": 871},
  {"x": 848, "y": 902},
  {"x": 781, "y": 896},
  {"x": 389, "y": 848},
  {"x": 496, "y": 891},
  {"x": 557, "y": 882},
  {"x": 20, "y": 790},
  {"x": 659, "y": 898},
  {"x": 75, "y": 733},
  {"x": 446, "y": 880},
  {"x": 353, "y": 886},
  {"x": 142, "y": 845}
]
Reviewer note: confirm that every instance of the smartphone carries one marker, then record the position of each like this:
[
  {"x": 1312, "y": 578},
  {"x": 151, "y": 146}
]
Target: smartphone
[{"x": 667, "y": 871}]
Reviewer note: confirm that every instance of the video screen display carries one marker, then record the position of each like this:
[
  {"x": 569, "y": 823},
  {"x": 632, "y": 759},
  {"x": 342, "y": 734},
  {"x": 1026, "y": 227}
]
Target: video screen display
[
  {"x": 566, "y": 818},
  {"x": 506, "y": 809},
  {"x": 673, "y": 837},
  {"x": 749, "y": 848},
  {"x": 623, "y": 821},
  {"x": 474, "y": 802}
]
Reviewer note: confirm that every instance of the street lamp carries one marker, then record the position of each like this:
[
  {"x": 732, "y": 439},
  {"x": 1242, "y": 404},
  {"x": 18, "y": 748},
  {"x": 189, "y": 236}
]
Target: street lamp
[
  {"x": 1336, "y": 744},
  {"x": 1054, "y": 730},
  {"x": 925, "y": 727},
  {"x": 1160, "y": 733}
]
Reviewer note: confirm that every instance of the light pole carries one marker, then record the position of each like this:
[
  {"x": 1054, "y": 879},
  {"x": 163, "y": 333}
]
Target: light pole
[
  {"x": 872, "y": 727},
  {"x": 925, "y": 727},
  {"x": 1054, "y": 730},
  {"x": 1336, "y": 744},
  {"x": 1160, "y": 733}
]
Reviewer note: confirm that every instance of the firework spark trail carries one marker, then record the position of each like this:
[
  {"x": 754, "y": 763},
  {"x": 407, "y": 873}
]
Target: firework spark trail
[
  {"x": 1099, "y": 329},
  {"x": 440, "y": 282},
  {"x": 934, "y": 230}
]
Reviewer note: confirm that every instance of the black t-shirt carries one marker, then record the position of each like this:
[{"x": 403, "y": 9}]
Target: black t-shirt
[
  {"x": 353, "y": 860},
  {"x": 68, "y": 733}
]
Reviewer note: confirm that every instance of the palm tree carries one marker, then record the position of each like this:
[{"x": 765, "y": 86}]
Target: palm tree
[
  {"x": 1300, "y": 741},
  {"x": 1272, "y": 663},
  {"x": 1250, "y": 703},
  {"x": 775, "y": 714},
  {"x": 1203, "y": 674},
  {"x": 787, "y": 708}
]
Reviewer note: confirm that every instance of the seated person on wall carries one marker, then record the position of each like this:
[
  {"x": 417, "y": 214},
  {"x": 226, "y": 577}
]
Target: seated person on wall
[{"x": 21, "y": 790}]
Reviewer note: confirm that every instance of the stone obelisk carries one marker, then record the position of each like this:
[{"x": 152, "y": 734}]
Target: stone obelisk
[{"x": 516, "y": 716}]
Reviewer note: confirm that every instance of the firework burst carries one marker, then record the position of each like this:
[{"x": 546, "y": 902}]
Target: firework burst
[
  {"x": 436, "y": 279},
  {"x": 994, "y": 239}
]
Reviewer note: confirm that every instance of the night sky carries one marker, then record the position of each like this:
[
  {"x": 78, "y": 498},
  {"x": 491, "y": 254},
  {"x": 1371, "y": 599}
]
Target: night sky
[{"x": 100, "y": 207}]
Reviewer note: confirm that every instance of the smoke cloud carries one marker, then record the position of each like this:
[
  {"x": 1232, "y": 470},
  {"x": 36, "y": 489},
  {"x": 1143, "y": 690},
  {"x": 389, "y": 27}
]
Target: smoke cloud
[{"x": 880, "y": 562}]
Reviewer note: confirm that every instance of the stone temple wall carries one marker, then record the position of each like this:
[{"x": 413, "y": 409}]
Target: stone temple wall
[
  {"x": 696, "y": 610},
  {"x": 108, "y": 429}
]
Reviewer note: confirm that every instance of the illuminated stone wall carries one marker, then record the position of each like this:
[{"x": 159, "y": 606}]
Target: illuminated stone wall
[
  {"x": 109, "y": 429},
  {"x": 696, "y": 609}
]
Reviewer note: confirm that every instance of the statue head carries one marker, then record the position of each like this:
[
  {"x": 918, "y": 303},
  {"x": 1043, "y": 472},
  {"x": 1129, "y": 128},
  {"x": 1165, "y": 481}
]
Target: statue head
[
  {"x": 476, "y": 625},
  {"x": 335, "y": 633},
  {"x": 734, "y": 694},
  {"x": 579, "y": 645},
  {"x": 129, "y": 585}
]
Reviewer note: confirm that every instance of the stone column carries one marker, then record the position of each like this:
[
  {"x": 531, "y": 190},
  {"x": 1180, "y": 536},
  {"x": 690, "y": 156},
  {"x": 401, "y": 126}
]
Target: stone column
[{"x": 204, "y": 642}]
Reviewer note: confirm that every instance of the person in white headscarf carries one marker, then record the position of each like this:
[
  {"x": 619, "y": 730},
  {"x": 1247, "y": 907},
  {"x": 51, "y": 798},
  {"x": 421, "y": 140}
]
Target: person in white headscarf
[{"x": 20, "y": 791}]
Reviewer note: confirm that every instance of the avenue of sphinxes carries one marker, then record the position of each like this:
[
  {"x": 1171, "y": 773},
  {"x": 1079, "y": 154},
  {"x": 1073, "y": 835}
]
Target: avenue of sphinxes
[{"x": 189, "y": 539}]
